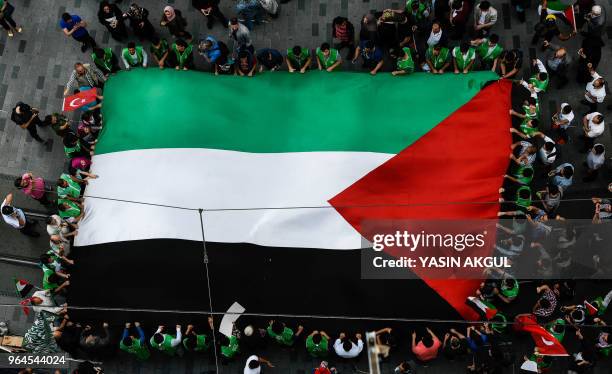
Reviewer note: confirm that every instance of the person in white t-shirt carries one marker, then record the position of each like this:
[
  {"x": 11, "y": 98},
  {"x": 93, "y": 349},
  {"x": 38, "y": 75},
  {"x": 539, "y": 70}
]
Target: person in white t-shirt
[
  {"x": 593, "y": 126},
  {"x": 595, "y": 90},
  {"x": 548, "y": 152},
  {"x": 346, "y": 348},
  {"x": 253, "y": 364},
  {"x": 562, "y": 120},
  {"x": 15, "y": 217},
  {"x": 595, "y": 160}
]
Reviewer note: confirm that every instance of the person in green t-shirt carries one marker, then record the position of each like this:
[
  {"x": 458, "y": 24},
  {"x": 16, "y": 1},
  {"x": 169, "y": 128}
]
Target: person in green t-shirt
[
  {"x": 166, "y": 342},
  {"x": 328, "y": 58},
  {"x": 317, "y": 344},
  {"x": 181, "y": 55},
  {"x": 437, "y": 59},
  {"x": 159, "y": 50},
  {"x": 58, "y": 122},
  {"x": 488, "y": 51},
  {"x": 69, "y": 187},
  {"x": 405, "y": 63},
  {"x": 298, "y": 59},
  {"x": 464, "y": 57},
  {"x": 131, "y": 344},
  {"x": 105, "y": 60},
  {"x": 539, "y": 81},
  {"x": 283, "y": 335},
  {"x": 194, "y": 342},
  {"x": 70, "y": 211},
  {"x": 228, "y": 347},
  {"x": 53, "y": 281},
  {"x": 134, "y": 56}
]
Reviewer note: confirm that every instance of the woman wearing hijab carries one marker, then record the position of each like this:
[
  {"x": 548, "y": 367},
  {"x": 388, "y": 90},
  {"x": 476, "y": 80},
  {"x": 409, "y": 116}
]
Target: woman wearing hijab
[
  {"x": 174, "y": 21},
  {"x": 111, "y": 17},
  {"x": 139, "y": 21}
]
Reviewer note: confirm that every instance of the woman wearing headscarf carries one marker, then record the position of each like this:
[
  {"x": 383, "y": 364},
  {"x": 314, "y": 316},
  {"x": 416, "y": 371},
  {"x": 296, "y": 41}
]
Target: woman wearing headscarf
[
  {"x": 111, "y": 17},
  {"x": 139, "y": 21},
  {"x": 174, "y": 21}
]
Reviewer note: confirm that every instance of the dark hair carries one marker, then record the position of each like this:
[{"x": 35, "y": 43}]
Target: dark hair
[
  {"x": 369, "y": 44},
  {"x": 525, "y": 193},
  {"x": 485, "y": 5},
  {"x": 99, "y": 52},
  {"x": 517, "y": 240},
  {"x": 54, "y": 278},
  {"x": 347, "y": 345},
  {"x": 549, "y": 146},
  {"x": 566, "y": 109},
  {"x": 543, "y": 76},
  {"x": 131, "y": 45},
  {"x": 243, "y": 54},
  {"x": 316, "y": 338},
  {"x": 86, "y": 115},
  {"x": 181, "y": 42},
  {"x": 297, "y": 50},
  {"x": 254, "y": 364},
  {"x": 277, "y": 327},
  {"x": 427, "y": 341},
  {"x": 568, "y": 171},
  {"x": 155, "y": 39},
  {"x": 457, "y": 4},
  {"x": 233, "y": 21},
  {"x": 527, "y": 172},
  {"x": 60, "y": 182},
  {"x": 224, "y": 340},
  {"x": 7, "y": 209},
  {"x": 559, "y": 328},
  {"x": 44, "y": 258},
  {"x": 577, "y": 315},
  {"x": 494, "y": 38},
  {"x": 553, "y": 188},
  {"x": 599, "y": 149},
  {"x": 325, "y": 46},
  {"x": 510, "y": 283},
  {"x": 50, "y": 220},
  {"x": 532, "y": 100},
  {"x": 437, "y": 46},
  {"x": 158, "y": 338},
  {"x": 66, "y": 17},
  {"x": 18, "y": 182},
  {"x": 535, "y": 122},
  {"x": 127, "y": 341},
  {"x": 464, "y": 47},
  {"x": 70, "y": 139}
]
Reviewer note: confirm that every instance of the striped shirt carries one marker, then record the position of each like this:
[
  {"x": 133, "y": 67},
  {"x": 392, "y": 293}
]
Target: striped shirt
[{"x": 92, "y": 78}]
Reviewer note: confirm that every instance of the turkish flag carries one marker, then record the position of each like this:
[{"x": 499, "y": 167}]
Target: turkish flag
[
  {"x": 76, "y": 101},
  {"x": 547, "y": 344}
]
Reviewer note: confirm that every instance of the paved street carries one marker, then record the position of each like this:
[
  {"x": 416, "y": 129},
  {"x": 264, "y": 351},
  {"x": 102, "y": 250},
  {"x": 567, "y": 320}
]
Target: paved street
[{"x": 35, "y": 66}]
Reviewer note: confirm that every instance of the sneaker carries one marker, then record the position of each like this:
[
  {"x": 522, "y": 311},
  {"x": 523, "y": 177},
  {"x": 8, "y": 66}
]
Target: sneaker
[{"x": 10, "y": 34}]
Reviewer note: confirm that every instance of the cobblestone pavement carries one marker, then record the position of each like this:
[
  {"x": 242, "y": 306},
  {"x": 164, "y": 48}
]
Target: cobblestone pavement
[{"x": 34, "y": 67}]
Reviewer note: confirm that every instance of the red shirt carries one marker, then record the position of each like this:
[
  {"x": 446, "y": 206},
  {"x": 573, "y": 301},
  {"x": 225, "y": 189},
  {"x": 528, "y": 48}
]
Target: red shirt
[{"x": 424, "y": 353}]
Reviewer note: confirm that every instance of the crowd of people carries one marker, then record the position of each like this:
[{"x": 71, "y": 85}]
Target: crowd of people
[{"x": 454, "y": 37}]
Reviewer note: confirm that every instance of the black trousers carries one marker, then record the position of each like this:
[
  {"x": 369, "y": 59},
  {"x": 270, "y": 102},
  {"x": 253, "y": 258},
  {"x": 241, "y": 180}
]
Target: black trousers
[
  {"x": 347, "y": 44},
  {"x": 216, "y": 13},
  {"x": 32, "y": 129},
  {"x": 8, "y": 22},
  {"x": 28, "y": 229},
  {"x": 86, "y": 40}
]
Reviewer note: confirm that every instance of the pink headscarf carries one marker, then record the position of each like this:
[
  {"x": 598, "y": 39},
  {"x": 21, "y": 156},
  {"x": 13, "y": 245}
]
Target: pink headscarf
[{"x": 171, "y": 11}]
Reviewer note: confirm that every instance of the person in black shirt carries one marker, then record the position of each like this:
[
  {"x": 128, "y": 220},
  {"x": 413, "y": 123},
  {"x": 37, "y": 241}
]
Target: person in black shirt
[
  {"x": 111, "y": 17},
  {"x": 210, "y": 8},
  {"x": 27, "y": 118},
  {"x": 510, "y": 63},
  {"x": 547, "y": 28}
]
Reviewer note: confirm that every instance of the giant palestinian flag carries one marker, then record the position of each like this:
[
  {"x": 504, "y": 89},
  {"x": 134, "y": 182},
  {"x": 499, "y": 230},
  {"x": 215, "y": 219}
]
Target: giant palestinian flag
[{"x": 285, "y": 168}]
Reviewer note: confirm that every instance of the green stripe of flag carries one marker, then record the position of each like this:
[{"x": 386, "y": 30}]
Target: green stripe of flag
[{"x": 278, "y": 112}]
